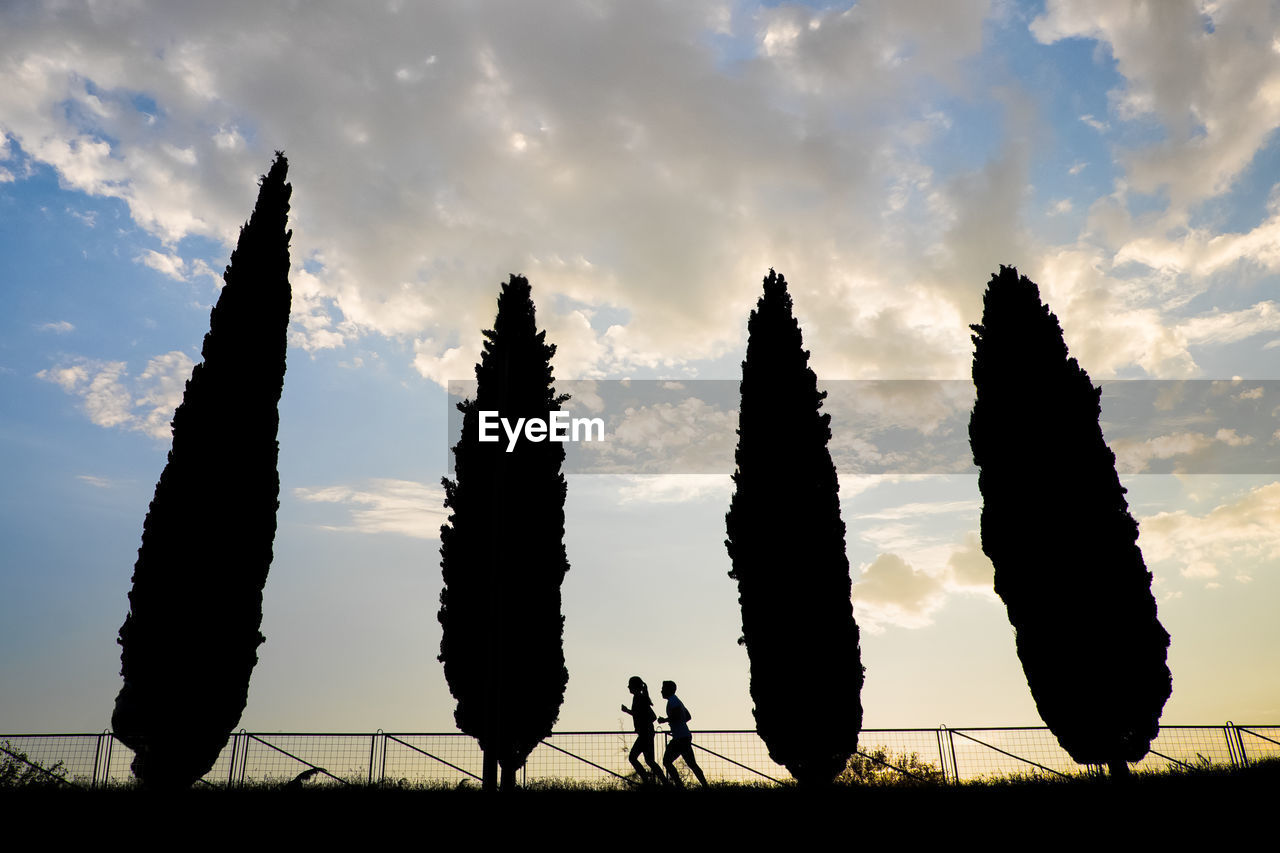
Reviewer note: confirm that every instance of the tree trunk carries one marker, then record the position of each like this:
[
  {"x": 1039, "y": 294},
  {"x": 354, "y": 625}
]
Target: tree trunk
[
  {"x": 1119, "y": 770},
  {"x": 490, "y": 770}
]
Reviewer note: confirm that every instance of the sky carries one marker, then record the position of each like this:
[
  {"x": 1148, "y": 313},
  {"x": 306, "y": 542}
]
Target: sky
[{"x": 644, "y": 164}]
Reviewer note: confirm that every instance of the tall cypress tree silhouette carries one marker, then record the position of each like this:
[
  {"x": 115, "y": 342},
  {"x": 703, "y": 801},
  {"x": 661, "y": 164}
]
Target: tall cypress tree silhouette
[
  {"x": 1057, "y": 527},
  {"x": 190, "y": 640},
  {"x": 786, "y": 541},
  {"x": 502, "y": 552}
]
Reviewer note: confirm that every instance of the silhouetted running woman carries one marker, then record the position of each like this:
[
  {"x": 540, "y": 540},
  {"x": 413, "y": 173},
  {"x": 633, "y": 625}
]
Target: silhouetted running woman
[
  {"x": 642, "y": 717},
  {"x": 681, "y": 745}
]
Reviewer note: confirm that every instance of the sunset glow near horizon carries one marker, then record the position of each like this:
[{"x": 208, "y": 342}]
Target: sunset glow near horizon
[{"x": 644, "y": 165}]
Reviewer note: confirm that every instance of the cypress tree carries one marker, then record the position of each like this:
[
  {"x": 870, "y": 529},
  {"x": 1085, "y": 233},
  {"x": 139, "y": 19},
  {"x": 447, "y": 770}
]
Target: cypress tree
[
  {"x": 189, "y": 642},
  {"x": 1057, "y": 527},
  {"x": 502, "y": 551},
  {"x": 786, "y": 541}
]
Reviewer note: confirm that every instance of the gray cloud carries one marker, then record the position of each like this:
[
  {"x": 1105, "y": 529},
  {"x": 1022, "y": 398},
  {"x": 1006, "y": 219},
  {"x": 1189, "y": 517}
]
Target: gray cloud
[
  {"x": 603, "y": 151},
  {"x": 637, "y": 172},
  {"x": 1206, "y": 75},
  {"x": 1207, "y": 72}
]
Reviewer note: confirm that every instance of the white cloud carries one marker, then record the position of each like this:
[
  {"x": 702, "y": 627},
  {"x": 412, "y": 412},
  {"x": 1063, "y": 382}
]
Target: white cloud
[
  {"x": 454, "y": 363},
  {"x": 1239, "y": 538},
  {"x": 200, "y": 269},
  {"x": 111, "y": 399},
  {"x": 665, "y": 182},
  {"x": 88, "y": 217},
  {"x": 1199, "y": 72},
  {"x": 922, "y": 407},
  {"x": 158, "y": 392},
  {"x": 170, "y": 265},
  {"x": 915, "y": 510},
  {"x": 1134, "y": 455},
  {"x": 578, "y": 347},
  {"x": 98, "y": 383},
  {"x": 854, "y": 50},
  {"x": 61, "y": 327},
  {"x": 402, "y": 507},
  {"x": 465, "y": 149},
  {"x": 311, "y": 326},
  {"x": 69, "y": 378},
  {"x": 1228, "y": 327},
  {"x": 228, "y": 139},
  {"x": 916, "y": 571},
  {"x": 890, "y": 591},
  {"x": 1216, "y": 91},
  {"x": 584, "y": 397},
  {"x": 971, "y": 568},
  {"x": 687, "y": 437},
  {"x": 674, "y": 488},
  {"x": 1094, "y": 123},
  {"x": 664, "y": 426},
  {"x": 1110, "y": 323},
  {"x": 1231, "y": 438}
]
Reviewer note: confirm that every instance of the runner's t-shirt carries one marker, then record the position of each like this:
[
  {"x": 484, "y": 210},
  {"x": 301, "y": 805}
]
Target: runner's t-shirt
[{"x": 678, "y": 718}]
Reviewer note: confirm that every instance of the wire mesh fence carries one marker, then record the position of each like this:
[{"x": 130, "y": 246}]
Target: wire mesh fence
[
  {"x": 993, "y": 752},
  {"x": 451, "y": 759},
  {"x": 1258, "y": 742},
  {"x": 73, "y": 758},
  {"x": 445, "y": 759}
]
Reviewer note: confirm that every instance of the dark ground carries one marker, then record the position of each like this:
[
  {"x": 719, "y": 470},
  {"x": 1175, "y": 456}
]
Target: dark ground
[{"x": 1231, "y": 806}]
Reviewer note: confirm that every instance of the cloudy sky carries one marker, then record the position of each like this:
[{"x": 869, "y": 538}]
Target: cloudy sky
[{"x": 644, "y": 164}]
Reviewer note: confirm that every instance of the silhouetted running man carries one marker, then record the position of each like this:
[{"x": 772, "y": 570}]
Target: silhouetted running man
[
  {"x": 681, "y": 745},
  {"x": 642, "y": 717}
]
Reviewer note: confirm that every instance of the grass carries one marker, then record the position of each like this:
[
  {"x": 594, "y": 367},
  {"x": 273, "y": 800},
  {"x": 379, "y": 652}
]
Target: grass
[{"x": 1002, "y": 810}]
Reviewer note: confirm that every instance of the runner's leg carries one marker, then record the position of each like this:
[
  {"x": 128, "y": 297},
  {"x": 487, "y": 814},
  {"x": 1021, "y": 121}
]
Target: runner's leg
[
  {"x": 669, "y": 761},
  {"x": 687, "y": 753},
  {"x": 636, "y": 749},
  {"x": 653, "y": 763}
]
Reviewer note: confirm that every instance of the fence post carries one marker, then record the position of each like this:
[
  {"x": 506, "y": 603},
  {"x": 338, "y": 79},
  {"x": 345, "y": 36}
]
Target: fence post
[
  {"x": 1235, "y": 745},
  {"x": 244, "y": 755},
  {"x": 942, "y": 756},
  {"x": 377, "y": 757},
  {"x": 950, "y": 749},
  {"x": 97, "y": 756},
  {"x": 106, "y": 758},
  {"x": 231, "y": 771},
  {"x": 951, "y": 745}
]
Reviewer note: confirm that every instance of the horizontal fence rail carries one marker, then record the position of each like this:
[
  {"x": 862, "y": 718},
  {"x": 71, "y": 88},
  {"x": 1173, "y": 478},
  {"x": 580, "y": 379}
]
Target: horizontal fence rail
[{"x": 451, "y": 759}]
